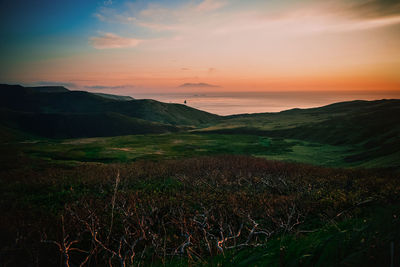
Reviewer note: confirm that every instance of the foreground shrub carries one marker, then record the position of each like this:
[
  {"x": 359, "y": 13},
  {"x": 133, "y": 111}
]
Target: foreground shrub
[{"x": 193, "y": 210}]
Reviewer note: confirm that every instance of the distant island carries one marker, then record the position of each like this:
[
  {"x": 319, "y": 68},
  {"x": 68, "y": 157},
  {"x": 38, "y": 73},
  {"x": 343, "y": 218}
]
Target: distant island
[{"x": 193, "y": 85}]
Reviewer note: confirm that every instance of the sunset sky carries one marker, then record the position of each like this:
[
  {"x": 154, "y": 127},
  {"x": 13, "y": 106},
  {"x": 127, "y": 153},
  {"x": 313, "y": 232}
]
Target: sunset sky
[{"x": 139, "y": 46}]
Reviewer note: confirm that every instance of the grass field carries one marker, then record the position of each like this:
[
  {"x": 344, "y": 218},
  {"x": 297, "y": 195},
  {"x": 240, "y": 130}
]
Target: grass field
[
  {"x": 179, "y": 145},
  {"x": 316, "y": 187}
]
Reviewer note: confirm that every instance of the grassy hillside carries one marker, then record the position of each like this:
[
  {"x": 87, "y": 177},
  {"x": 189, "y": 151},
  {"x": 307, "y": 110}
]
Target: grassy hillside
[
  {"x": 72, "y": 125},
  {"x": 172, "y": 146},
  {"x": 61, "y": 114},
  {"x": 48, "y": 89},
  {"x": 348, "y": 134},
  {"x": 28, "y": 100},
  {"x": 294, "y": 118},
  {"x": 370, "y": 128}
]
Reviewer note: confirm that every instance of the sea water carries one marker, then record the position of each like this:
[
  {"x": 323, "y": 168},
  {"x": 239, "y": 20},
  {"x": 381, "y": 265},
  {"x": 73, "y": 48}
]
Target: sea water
[{"x": 228, "y": 103}]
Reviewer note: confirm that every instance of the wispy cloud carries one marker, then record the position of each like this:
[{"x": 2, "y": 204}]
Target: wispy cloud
[
  {"x": 110, "y": 40},
  {"x": 209, "y": 5},
  {"x": 161, "y": 18},
  {"x": 366, "y": 24},
  {"x": 312, "y": 16},
  {"x": 108, "y": 2},
  {"x": 111, "y": 15},
  {"x": 375, "y": 8},
  {"x": 251, "y": 39},
  {"x": 211, "y": 70}
]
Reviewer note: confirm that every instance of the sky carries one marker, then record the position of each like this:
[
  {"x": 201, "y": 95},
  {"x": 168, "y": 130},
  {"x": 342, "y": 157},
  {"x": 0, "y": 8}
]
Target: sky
[{"x": 155, "y": 46}]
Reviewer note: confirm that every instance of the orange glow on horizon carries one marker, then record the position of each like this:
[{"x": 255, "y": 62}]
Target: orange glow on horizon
[{"x": 257, "y": 46}]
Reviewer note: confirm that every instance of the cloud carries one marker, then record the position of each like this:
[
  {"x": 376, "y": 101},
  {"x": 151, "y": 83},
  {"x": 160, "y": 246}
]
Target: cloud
[
  {"x": 110, "y": 40},
  {"x": 188, "y": 21},
  {"x": 158, "y": 17},
  {"x": 329, "y": 16},
  {"x": 111, "y": 15},
  {"x": 108, "y": 2},
  {"x": 210, "y": 5},
  {"x": 159, "y": 26},
  {"x": 210, "y": 26},
  {"x": 198, "y": 85},
  {"x": 211, "y": 70},
  {"x": 155, "y": 11},
  {"x": 357, "y": 15},
  {"x": 376, "y": 8},
  {"x": 367, "y": 24},
  {"x": 339, "y": 16}
]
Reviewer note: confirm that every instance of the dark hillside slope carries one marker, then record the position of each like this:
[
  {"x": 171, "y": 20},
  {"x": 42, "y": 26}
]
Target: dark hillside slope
[
  {"x": 115, "y": 97},
  {"x": 19, "y": 98},
  {"x": 357, "y": 106},
  {"x": 372, "y": 128},
  {"x": 58, "y": 112},
  {"x": 175, "y": 114},
  {"x": 49, "y": 89},
  {"x": 350, "y": 122},
  {"x": 71, "y": 125}
]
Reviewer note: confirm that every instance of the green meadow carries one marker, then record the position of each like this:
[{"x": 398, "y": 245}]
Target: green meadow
[{"x": 179, "y": 145}]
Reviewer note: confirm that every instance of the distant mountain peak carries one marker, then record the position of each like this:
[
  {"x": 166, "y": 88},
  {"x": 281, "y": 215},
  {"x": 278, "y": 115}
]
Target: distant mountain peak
[{"x": 193, "y": 85}]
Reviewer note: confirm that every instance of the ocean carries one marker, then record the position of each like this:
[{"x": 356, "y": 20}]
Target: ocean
[{"x": 228, "y": 103}]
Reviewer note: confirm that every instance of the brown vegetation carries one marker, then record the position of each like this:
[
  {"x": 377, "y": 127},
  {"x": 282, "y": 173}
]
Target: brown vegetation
[{"x": 145, "y": 211}]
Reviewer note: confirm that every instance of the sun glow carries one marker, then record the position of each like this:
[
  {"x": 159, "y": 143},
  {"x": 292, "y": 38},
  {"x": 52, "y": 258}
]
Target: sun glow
[{"x": 258, "y": 46}]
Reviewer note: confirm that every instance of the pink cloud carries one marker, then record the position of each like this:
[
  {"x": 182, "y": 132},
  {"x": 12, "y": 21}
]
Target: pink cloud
[
  {"x": 210, "y": 5},
  {"x": 110, "y": 40}
]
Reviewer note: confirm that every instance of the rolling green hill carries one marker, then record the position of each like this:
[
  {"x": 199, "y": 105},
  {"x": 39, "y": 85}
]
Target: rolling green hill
[
  {"x": 58, "y": 112},
  {"x": 370, "y": 128},
  {"x": 355, "y": 133},
  {"x": 72, "y": 125}
]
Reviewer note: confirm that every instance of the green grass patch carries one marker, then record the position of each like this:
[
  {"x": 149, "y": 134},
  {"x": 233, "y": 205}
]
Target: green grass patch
[{"x": 182, "y": 145}]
